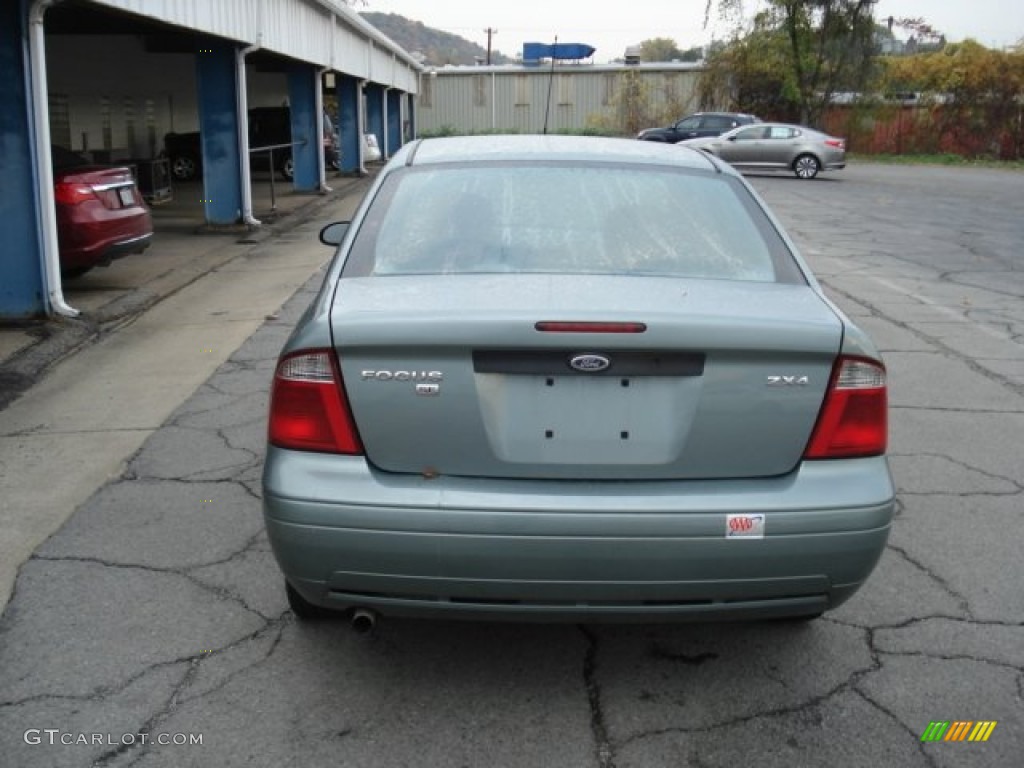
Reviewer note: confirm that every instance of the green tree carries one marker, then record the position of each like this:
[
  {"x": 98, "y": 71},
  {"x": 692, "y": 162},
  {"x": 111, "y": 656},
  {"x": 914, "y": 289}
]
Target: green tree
[
  {"x": 826, "y": 46},
  {"x": 665, "y": 49},
  {"x": 751, "y": 74},
  {"x": 659, "y": 49}
]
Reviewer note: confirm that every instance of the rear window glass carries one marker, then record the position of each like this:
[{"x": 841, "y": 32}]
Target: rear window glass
[{"x": 569, "y": 219}]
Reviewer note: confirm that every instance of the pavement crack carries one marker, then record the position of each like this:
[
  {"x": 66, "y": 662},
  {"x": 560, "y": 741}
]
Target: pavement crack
[
  {"x": 1006, "y": 382},
  {"x": 777, "y": 712},
  {"x": 277, "y": 626},
  {"x": 153, "y": 721},
  {"x": 185, "y": 573},
  {"x": 969, "y": 467},
  {"x": 103, "y": 692},
  {"x": 104, "y": 563},
  {"x": 178, "y": 694},
  {"x": 598, "y": 725},
  {"x": 961, "y": 600},
  {"x": 784, "y": 711},
  {"x": 946, "y": 409},
  {"x": 928, "y": 756},
  {"x": 954, "y": 657}
]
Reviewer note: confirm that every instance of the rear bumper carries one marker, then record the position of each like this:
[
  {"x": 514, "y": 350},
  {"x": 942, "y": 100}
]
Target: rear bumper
[
  {"x": 556, "y": 550},
  {"x": 95, "y": 236}
]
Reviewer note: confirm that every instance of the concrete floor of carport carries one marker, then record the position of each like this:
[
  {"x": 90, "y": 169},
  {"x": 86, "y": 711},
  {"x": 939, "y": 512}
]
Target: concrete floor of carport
[{"x": 78, "y": 397}]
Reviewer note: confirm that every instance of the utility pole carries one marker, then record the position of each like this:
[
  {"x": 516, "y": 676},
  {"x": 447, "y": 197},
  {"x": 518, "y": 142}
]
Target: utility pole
[{"x": 490, "y": 33}]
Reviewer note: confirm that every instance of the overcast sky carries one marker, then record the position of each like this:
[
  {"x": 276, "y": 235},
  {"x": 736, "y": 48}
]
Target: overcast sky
[{"x": 611, "y": 26}]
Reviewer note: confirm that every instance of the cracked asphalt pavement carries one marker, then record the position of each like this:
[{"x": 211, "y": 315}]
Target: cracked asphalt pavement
[{"x": 157, "y": 609}]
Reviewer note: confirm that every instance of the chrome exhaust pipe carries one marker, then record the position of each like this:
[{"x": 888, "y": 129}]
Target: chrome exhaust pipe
[{"x": 363, "y": 620}]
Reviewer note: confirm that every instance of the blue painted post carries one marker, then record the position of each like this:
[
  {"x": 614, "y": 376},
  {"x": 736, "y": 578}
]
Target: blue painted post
[
  {"x": 394, "y": 137},
  {"x": 302, "y": 97},
  {"x": 22, "y": 289},
  {"x": 218, "y": 121},
  {"x": 347, "y": 90},
  {"x": 375, "y": 112}
]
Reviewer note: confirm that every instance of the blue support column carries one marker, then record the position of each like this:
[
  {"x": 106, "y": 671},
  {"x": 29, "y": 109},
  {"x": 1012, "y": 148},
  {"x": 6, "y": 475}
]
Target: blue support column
[
  {"x": 375, "y": 112},
  {"x": 218, "y": 122},
  {"x": 347, "y": 90},
  {"x": 22, "y": 289},
  {"x": 394, "y": 137},
  {"x": 302, "y": 97}
]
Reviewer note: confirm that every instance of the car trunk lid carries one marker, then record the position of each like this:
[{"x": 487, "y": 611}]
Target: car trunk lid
[
  {"x": 115, "y": 188},
  {"x": 453, "y": 374}
]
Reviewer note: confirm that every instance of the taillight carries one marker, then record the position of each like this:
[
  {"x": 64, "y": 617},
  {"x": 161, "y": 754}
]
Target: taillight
[
  {"x": 71, "y": 193},
  {"x": 837, "y": 143},
  {"x": 587, "y": 326},
  {"x": 308, "y": 407},
  {"x": 854, "y": 417}
]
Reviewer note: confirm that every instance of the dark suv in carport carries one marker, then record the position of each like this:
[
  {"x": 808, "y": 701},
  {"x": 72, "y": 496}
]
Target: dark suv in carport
[
  {"x": 698, "y": 125},
  {"x": 268, "y": 126}
]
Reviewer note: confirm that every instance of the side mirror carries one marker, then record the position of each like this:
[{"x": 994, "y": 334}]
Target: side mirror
[{"x": 334, "y": 233}]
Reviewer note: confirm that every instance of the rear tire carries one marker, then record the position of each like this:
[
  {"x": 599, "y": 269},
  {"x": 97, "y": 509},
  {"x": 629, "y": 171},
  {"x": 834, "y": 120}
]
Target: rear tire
[
  {"x": 806, "y": 167},
  {"x": 288, "y": 168},
  {"x": 73, "y": 272},
  {"x": 305, "y": 610},
  {"x": 184, "y": 168}
]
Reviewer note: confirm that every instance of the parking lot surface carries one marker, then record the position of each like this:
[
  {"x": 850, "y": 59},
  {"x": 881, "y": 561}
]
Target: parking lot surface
[{"x": 157, "y": 614}]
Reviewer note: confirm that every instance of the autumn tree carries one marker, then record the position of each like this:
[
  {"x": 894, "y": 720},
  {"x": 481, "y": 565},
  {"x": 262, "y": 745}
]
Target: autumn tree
[{"x": 971, "y": 96}]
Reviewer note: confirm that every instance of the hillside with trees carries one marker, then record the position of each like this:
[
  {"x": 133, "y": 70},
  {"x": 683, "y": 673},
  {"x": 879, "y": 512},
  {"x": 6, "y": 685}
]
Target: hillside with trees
[{"x": 437, "y": 48}]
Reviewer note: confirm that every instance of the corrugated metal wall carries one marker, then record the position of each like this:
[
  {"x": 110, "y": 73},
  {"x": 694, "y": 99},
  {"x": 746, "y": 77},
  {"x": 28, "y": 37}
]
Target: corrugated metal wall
[
  {"x": 323, "y": 32},
  {"x": 481, "y": 99}
]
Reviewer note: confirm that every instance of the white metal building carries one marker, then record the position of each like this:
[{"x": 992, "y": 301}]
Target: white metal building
[{"x": 567, "y": 97}]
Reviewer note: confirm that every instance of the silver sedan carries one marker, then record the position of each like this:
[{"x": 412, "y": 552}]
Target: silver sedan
[
  {"x": 776, "y": 147},
  {"x": 575, "y": 379}
]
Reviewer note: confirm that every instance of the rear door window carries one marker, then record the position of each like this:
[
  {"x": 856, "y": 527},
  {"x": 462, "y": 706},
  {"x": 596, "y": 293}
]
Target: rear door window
[{"x": 720, "y": 123}]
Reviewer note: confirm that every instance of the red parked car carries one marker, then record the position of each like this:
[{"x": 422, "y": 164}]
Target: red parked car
[{"x": 101, "y": 215}]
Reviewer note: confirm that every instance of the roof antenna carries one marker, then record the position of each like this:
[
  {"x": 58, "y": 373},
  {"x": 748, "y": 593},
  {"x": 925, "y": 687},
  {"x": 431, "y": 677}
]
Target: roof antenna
[{"x": 551, "y": 78}]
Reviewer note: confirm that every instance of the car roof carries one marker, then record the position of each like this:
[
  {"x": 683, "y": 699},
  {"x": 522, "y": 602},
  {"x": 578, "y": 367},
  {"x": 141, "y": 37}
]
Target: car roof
[
  {"x": 526, "y": 147},
  {"x": 724, "y": 114}
]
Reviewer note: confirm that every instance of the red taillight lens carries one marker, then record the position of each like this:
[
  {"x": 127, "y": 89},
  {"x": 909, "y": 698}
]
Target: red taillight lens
[
  {"x": 854, "y": 417},
  {"x": 308, "y": 407},
  {"x": 837, "y": 143},
  {"x": 70, "y": 193}
]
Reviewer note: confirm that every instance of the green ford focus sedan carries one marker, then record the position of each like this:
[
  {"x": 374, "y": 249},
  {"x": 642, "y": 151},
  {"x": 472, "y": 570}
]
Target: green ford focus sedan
[{"x": 555, "y": 378}]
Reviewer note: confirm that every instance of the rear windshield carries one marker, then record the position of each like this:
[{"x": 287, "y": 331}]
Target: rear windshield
[{"x": 569, "y": 219}]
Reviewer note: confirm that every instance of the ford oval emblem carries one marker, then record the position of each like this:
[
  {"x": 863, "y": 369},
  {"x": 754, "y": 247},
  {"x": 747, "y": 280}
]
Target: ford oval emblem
[{"x": 590, "y": 363}]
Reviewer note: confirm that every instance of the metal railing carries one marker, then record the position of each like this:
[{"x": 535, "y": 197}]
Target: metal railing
[{"x": 269, "y": 149}]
